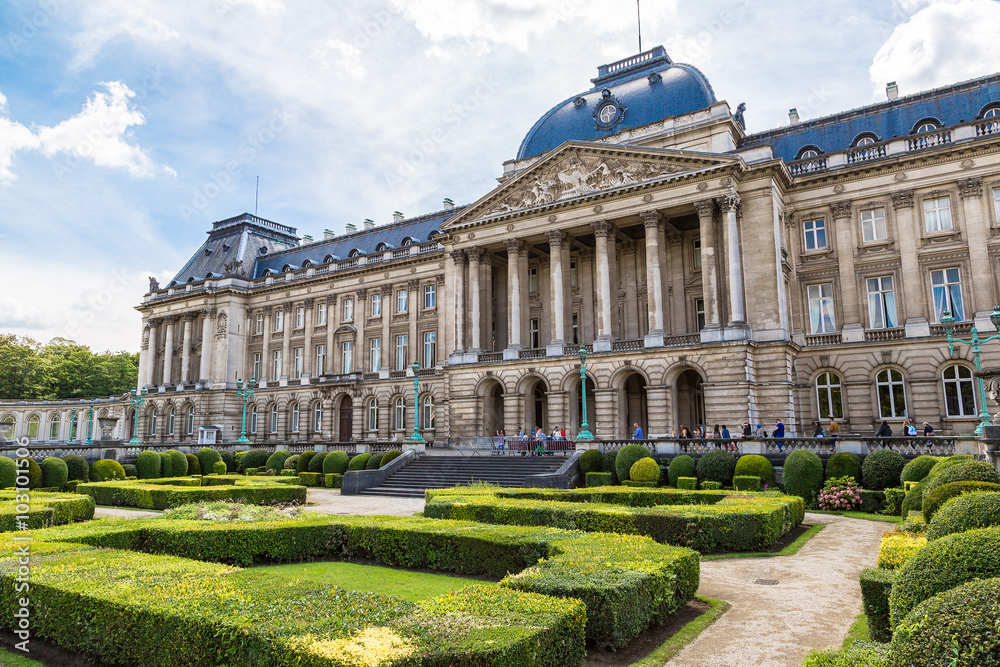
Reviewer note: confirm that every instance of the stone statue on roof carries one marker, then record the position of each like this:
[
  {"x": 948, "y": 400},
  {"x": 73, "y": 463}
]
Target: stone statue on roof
[{"x": 154, "y": 284}]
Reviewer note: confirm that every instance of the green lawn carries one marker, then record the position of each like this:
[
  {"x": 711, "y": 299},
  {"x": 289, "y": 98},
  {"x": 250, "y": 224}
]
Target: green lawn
[
  {"x": 790, "y": 550},
  {"x": 405, "y": 584},
  {"x": 10, "y": 658},
  {"x": 685, "y": 635}
]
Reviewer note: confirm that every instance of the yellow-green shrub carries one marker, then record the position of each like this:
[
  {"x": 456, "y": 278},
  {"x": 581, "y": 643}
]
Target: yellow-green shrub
[{"x": 896, "y": 548}]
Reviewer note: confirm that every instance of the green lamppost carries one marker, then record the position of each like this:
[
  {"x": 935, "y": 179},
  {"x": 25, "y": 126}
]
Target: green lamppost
[
  {"x": 245, "y": 394},
  {"x": 416, "y": 437},
  {"x": 90, "y": 423},
  {"x": 138, "y": 398},
  {"x": 948, "y": 322},
  {"x": 585, "y": 433}
]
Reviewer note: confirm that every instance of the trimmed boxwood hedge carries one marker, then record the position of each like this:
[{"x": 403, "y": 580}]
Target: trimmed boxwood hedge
[
  {"x": 148, "y": 465},
  {"x": 79, "y": 469},
  {"x": 717, "y": 466},
  {"x": 591, "y": 461},
  {"x": 917, "y": 469},
  {"x": 207, "y": 458},
  {"x": 687, "y": 483},
  {"x": 680, "y": 466},
  {"x": 336, "y": 462},
  {"x": 55, "y": 473},
  {"x": 968, "y": 471},
  {"x": 746, "y": 483},
  {"x": 316, "y": 463},
  {"x": 219, "y": 467},
  {"x": 374, "y": 462},
  {"x": 893, "y": 500},
  {"x": 163, "y": 496},
  {"x": 194, "y": 465},
  {"x": 333, "y": 480},
  {"x": 389, "y": 456},
  {"x": 627, "y": 457},
  {"x": 302, "y": 463},
  {"x": 882, "y": 468},
  {"x": 229, "y": 459},
  {"x": 803, "y": 475},
  {"x": 968, "y": 511},
  {"x": 106, "y": 469},
  {"x": 755, "y": 464},
  {"x": 645, "y": 470},
  {"x": 844, "y": 464},
  {"x": 311, "y": 478},
  {"x": 598, "y": 478},
  {"x": 254, "y": 458},
  {"x": 872, "y": 501},
  {"x": 710, "y": 485},
  {"x": 934, "y": 499},
  {"x": 178, "y": 463},
  {"x": 608, "y": 465},
  {"x": 8, "y": 472},
  {"x": 359, "y": 461},
  {"x": 30, "y": 467},
  {"x": 44, "y": 510},
  {"x": 876, "y": 584},
  {"x": 915, "y": 496},
  {"x": 291, "y": 463}
]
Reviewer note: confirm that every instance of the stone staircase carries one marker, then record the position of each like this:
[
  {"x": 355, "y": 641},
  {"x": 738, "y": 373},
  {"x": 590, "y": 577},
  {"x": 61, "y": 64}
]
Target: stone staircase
[{"x": 441, "y": 472}]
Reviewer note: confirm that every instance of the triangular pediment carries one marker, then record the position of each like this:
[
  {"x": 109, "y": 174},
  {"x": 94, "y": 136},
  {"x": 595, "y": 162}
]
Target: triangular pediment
[{"x": 583, "y": 169}]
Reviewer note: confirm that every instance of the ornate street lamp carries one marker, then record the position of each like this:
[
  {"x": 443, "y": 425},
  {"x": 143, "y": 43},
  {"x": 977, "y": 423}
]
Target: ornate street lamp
[
  {"x": 245, "y": 394},
  {"x": 585, "y": 433},
  {"x": 138, "y": 397},
  {"x": 90, "y": 423},
  {"x": 948, "y": 322},
  {"x": 416, "y": 437}
]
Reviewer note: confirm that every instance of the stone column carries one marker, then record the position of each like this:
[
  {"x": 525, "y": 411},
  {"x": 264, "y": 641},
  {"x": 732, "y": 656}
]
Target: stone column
[
  {"x": 413, "y": 310},
  {"x": 439, "y": 320},
  {"x": 308, "y": 354},
  {"x": 558, "y": 293},
  {"x": 912, "y": 305},
  {"x": 205, "y": 368},
  {"x": 850, "y": 323},
  {"x": 515, "y": 248},
  {"x": 265, "y": 356},
  {"x": 149, "y": 376},
  {"x": 475, "y": 297},
  {"x": 709, "y": 271},
  {"x": 652, "y": 222},
  {"x": 331, "y": 328},
  {"x": 737, "y": 326},
  {"x": 358, "y": 355},
  {"x": 980, "y": 297},
  {"x": 385, "y": 365},
  {"x": 602, "y": 230},
  {"x": 286, "y": 340},
  {"x": 186, "y": 347},
  {"x": 458, "y": 289},
  {"x": 168, "y": 349}
]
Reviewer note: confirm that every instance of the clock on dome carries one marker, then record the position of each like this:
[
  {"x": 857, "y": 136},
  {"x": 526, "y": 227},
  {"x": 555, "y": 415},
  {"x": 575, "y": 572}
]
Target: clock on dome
[{"x": 609, "y": 111}]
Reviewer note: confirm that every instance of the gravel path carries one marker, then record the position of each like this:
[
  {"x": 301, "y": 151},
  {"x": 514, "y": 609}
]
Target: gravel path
[
  {"x": 813, "y": 604},
  {"x": 122, "y": 513},
  {"x": 329, "y": 501}
]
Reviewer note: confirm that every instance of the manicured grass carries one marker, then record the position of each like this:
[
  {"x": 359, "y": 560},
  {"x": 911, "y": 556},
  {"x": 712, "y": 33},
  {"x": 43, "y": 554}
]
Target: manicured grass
[
  {"x": 861, "y": 515},
  {"x": 10, "y": 658},
  {"x": 406, "y": 584},
  {"x": 858, "y": 631},
  {"x": 790, "y": 550},
  {"x": 685, "y": 635}
]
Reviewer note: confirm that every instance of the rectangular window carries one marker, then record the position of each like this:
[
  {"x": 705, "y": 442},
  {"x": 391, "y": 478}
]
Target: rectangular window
[
  {"x": 348, "y": 310},
  {"x": 576, "y": 329},
  {"x": 946, "y": 285},
  {"x": 572, "y": 274},
  {"x": 532, "y": 279},
  {"x": 873, "y": 227},
  {"x": 699, "y": 313},
  {"x": 533, "y": 329},
  {"x": 430, "y": 349},
  {"x": 401, "y": 343},
  {"x": 821, "y": 318},
  {"x": 320, "y": 359},
  {"x": 279, "y": 320},
  {"x": 297, "y": 363},
  {"x": 321, "y": 314},
  {"x": 996, "y": 204},
  {"x": 258, "y": 365},
  {"x": 253, "y": 419},
  {"x": 697, "y": 253},
  {"x": 347, "y": 357},
  {"x": 815, "y": 234},
  {"x": 881, "y": 302},
  {"x": 375, "y": 355},
  {"x": 276, "y": 365},
  {"x": 300, "y": 317},
  {"x": 430, "y": 296},
  {"x": 937, "y": 214},
  {"x": 258, "y": 326},
  {"x": 401, "y": 300},
  {"x": 376, "y": 305}
]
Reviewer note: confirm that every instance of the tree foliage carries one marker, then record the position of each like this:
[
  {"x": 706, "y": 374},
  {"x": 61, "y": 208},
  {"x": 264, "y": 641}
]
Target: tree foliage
[{"x": 62, "y": 369}]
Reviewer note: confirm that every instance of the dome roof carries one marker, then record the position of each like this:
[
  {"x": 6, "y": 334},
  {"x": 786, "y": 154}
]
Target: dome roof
[{"x": 627, "y": 94}]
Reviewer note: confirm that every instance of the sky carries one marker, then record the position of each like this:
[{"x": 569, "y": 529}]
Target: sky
[{"x": 128, "y": 126}]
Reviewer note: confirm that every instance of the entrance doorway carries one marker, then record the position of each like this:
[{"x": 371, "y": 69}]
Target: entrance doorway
[
  {"x": 633, "y": 404},
  {"x": 690, "y": 400},
  {"x": 346, "y": 426}
]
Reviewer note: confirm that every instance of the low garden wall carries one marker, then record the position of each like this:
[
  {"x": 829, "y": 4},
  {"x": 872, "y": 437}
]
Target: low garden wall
[{"x": 158, "y": 494}]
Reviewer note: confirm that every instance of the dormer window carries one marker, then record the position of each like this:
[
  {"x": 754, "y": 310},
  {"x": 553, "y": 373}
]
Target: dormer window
[
  {"x": 992, "y": 112},
  {"x": 926, "y": 125},
  {"x": 382, "y": 247},
  {"x": 354, "y": 253},
  {"x": 807, "y": 152},
  {"x": 865, "y": 139},
  {"x": 408, "y": 241},
  {"x": 328, "y": 259}
]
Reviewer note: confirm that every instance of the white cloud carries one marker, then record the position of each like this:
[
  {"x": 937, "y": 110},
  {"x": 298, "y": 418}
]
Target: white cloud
[
  {"x": 13, "y": 137},
  {"x": 337, "y": 55},
  {"x": 940, "y": 44}
]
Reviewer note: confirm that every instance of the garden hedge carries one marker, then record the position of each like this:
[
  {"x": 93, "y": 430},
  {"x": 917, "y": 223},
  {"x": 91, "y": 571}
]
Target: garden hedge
[
  {"x": 859, "y": 653},
  {"x": 219, "y": 467},
  {"x": 917, "y": 469},
  {"x": 746, "y": 483},
  {"x": 598, "y": 478},
  {"x": 591, "y": 461},
  {"x": 962, "y": 512},
  {"x": 803, "y": 475},
  {"x": 915, "y": 496},
  {"x": 291, "y": 463},
  {"x": 897, "y": 547},
  {"x": 844, "y": 464},
  {"x": 680, "y": 466},
  {"x": 882, "y": 469},
  {"x": 148, "y": 465},
  {"x": 893, "y": 501},
  {"x": 207, "y": 458},
  {"x": 872, "y": 501},
  {"x": 627, "y": 457},
  {"x": 359, "y": 461},
  {"x": 718, "y": 466},
  {"x": 162, "y": 496},
  {"x": 55, "y": 473},
  {"x": 316, "y": 463},
  {"x": 30, "y": 467},
  {"x": 934, "y": 499},
  {"x": 608, "y": 465},
  {"x": 254, "y": 458},
  {"x": 374, "y": 462},
  {"x": 639, "y": 483},
  {"x": 44, "y": 510},
  {"x": 645, "y": 470},
  {"x": 130, "y": 471},
  {"x": 230, "y": 460},
  {"x": 302, "y": 464},
  {"x": 333, "y": 480},
  {"x": 710, "y": 485},
  {"x": 389, "y": 456},
  {"x": 968, "y": 471},
  {"x": 311, "y": 478},
  {"x": 106, "y": 469},
  {"x": 755, "y": 464},
  {"x": 8, "y": 472},
  {"x": 876, "y": 584},
  {"x": 687, "y": 483},
  {"x": 178, "y": 463},
  {"x": 336, "y": 462},
  {"x": 79, "y": 469},
  {"x": 194, "y": 465},
  {"x": 943, "y": 564}
]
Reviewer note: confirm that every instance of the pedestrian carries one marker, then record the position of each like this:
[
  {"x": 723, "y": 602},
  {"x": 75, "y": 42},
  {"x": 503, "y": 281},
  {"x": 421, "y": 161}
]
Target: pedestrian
[
  {"x": 909, "y": 429},
  {"x": 685, "y": 433},
  {"x": 725, "y": 433},
  {"x": 884, "y": 431},
  {"x": 834, "y": 430},
  {"x": 928, "y": 429},
  {"x": 747, "y": 431},
  {"x": 761, "y": 431},
  {"x": 637, "y": 432},
  {"x": 778, "y": 434},
  {"x": 818, "y": 431},
  {"x": 716, "y": 432}
]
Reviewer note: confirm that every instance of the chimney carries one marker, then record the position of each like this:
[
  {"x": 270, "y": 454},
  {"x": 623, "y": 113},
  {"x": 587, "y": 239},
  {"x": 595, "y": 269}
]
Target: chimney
[
  {"x": 793, "y": 116},
  {"x": 369, "y": 224},
  {"x": 328, "y": 234},
  {"x": 397, "y": 216},
  {"x": 350, "y": 228},
  {"x": 448, "y": 204},
  {"x": 307, "y": 238},
  {"x": 891, "y": 90}
]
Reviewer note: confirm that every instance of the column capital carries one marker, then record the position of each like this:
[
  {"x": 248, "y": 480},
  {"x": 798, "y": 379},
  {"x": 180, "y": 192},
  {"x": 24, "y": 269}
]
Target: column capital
[
  {"x": 171, "y": 319},
  {"x": 902, "y": 199},
  {"x": 309, "y": 302},
  {"x": 603, "y": 228},
  {"x": 705, "y": 207},
  {"x": 413, "y": 284},
  {"x": 651, "y": 219},
  {"x": 474, "y": 253},
  {"x": 190, "y": 316},
  {"x": 155, "y": 321},
  {"x": 458, "y": 256},
  {"x": 362, "y": 292},
  {"x": 556, "y": 238},
  {"x": 514, "y": 246},
  {"x": 841, "y": 209},
  {"x": 730, "y": 202},
  {"x": 207, "y": 312},
  {"x": 971, "y": 187},
  {"x": 439, "y": 279},
  {"x": 267, "y": 309},
  {"x": 386, "y": 290},
  {"x": 331, "y": 300}
]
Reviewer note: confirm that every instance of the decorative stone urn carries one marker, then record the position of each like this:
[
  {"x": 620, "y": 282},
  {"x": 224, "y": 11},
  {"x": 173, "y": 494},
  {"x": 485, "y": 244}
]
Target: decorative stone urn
[
  {"x": 991, "y": 433},
  {"x": 107, "y": 425}
]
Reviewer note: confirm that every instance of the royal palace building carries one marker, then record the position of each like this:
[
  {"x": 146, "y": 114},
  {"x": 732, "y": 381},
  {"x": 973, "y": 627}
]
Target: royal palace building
[{"x": 713, "y": 276}]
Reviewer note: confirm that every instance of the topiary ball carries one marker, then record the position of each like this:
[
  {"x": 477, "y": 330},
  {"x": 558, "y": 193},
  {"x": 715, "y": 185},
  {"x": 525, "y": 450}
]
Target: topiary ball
[
  {"x": 967, "y": 471},
  {"x": 55, "y": 472},
  {"x": 207, "y": 458},
  {"x": 148, "y": 465},
  {"x": 8, "y": 473},
  {"x": 756, "y": 465},
  {"x": 302, "y": 465},
  {"x": 30, "y": 467},
  {"x": 803, "y": 474},
  {"x": 943, "y": 564},
  {"x": 881, "y": 469},
  {"x": 970, "y": 511},
  {"x": 79, "y": 469},
  {"x": 917, "y": 469},
  {"x": 717, "y": 466},
  {"x": 277, "y": 460},
  {"x": 680, "y": 466},
  {"x": 627, "y": 456},
  {"x": 316, "y": 462},
  {"x": 336, "y": 463},
  {"x": 359, "y": 461},
  {"x": 130, "y": 471},
  {"x": 934, "y": 500},
  {"x": 956, "y": 627},
  {"x": 229, "y": 459},
  {"x": 844, "y": 464},
  {"x": 591, "y": 461},
  {"x": 254, "y": 458},
  {"x": 608, "y": 466},
  {"x": 106, "y": 470},
  {"x": 219, "y": 467},
  {"x": 194, "y": 465},
  {"x": 291, "y": 463},
  {"x": 374, "y": 462},
  {"x": 389, "y": 456},
  {"x": 645, "y": 470},
  {"x": 178, "y": 466}
]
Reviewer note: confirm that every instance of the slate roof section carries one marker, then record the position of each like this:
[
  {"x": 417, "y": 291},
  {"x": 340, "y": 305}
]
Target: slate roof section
[
  {"x": 948, "y": 105},
  {"x": 679, "y": 89}
]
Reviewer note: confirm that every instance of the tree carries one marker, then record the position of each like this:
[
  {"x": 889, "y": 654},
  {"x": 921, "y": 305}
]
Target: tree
[{"x": 62, "y": 369}]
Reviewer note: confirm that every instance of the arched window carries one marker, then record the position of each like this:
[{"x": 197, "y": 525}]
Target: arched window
[
  {"x": 151, "y": 418},
  {"x": 318, "y": 417},
  {"x": 295, "y": 417},
  {"x": 190, "y": 420},
  {"x": 382, "y": 247},
  {"x": 54, "y": 425},
  {"x": 73, "y": 425},
  {"x": 428, "y": 416},
  {"x": 829, "y": 396},
  {"x": 354, "y": 252},
  {"x": 926, "y": 125},
  {"x": 407, "y": 240},
  {"x": 865, "y": 139},
  {"x": 372, "y": 415},
  {"x": 34, "y": 426},
  {"x": 400, "y": 423},
  {"x": 274, "y": 418},
  {"x": 992, "y": 112},
  {"x": 171, "y": 420},
  {"x": 807, "y": 152},
  {"x": 891, "y": 394},
  {"x": 253, "y": 419},
  {"x": 9, "y": 423},
  {"x": 959, "y": 391}
]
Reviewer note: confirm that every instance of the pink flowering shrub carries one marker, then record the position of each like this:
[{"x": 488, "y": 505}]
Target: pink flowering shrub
[{"x": 840, "y": 494}]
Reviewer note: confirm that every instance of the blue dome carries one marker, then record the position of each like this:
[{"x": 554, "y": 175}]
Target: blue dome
[{"x": 627, "y": 94}]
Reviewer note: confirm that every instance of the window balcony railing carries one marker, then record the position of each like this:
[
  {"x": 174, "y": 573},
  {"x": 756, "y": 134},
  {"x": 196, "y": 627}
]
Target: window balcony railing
[
  {"x": 531, "y": 353},
  {"x": 880, "y": 335},
  {"x": 866, "y": 153},
  {"x": 961, "y": 329},
  {"x": 929, "y": 140},
  {"x": 814, "y": 340},
  {"x": 627, "y": 345},
  {"x": 809, "y": 166}
]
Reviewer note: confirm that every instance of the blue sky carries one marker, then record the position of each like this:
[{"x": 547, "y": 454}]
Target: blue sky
[{"x": 128, "y": 126}]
